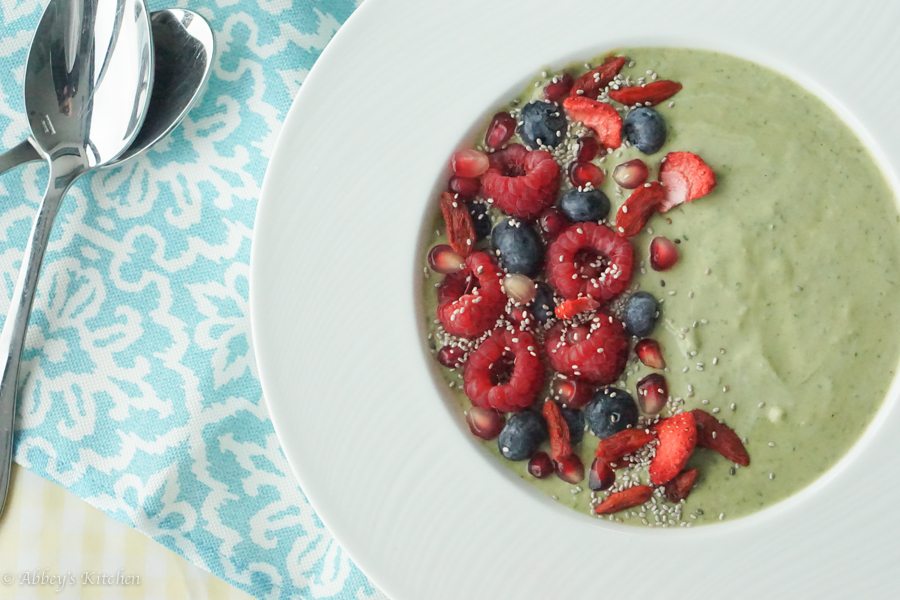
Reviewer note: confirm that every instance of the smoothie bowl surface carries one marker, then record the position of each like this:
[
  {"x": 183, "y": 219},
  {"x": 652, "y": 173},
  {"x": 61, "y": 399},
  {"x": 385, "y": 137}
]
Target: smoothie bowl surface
[{"x": 743, "y": 311}]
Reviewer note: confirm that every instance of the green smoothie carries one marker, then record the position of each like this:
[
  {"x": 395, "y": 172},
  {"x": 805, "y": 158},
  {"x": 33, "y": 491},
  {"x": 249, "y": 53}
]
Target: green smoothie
[{"x": 781, "y": 316}]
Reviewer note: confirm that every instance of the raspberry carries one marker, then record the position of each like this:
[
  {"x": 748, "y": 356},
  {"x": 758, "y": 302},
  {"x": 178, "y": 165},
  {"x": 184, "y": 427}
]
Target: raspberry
[
  {"x": 471, "y": 301},
  {"x": 504, "y": 373},
  {"x": 599, "y": 357},
  {"x": 589, "y": 259},
  {"x": 522, "y": 183}
]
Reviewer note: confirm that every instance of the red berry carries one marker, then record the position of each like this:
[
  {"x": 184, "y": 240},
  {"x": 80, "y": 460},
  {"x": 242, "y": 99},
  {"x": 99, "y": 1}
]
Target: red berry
[
  {"x": 686, "y": 177},
  {"x": 619, "y": 501},
  {"x": 599, "y": 358},
  {"x": 522, "y": 183},
  {"x": 648, "y": 94},
  {"x": 619, "y": 445},
  {"x": 638, "y": 208},
  {"x": 601, "y": 476},
  {"x": 679, "y": 488},
  {"x": 649, "y": 352},
  {"x": 677, "y": 438},
  {"x": 570, "y": 469},
  {"x": 599, "y": 116},
  {"x": 631, "y": 174},
  {"x": 469, "y": 162},
  {"x": 717, "y": 436},
  {"x": 450, "y": 356},
  {"x": 540, "y": 465},
  {"x": 573, "y": 307},
  {"x": 589, "y": 259},
  {"x": 502, "y": 127},
  {"x": 663, "y": 253},
  {"x": 458, "y": 223},
  {"x": 484, "y": 422},
  {"x": 552, "y": 222},
  {"x": 653, "y": 393},
  {"x": 521, "y": 316},
  {"x": 591, "y": 82},
  {"x": 464, "y": 187},
  {"x": 559, "y": 87},
  {"x": 588, "y": 149},
  {"x": 442, "y": 259},
  {"x": 584, "y": 173},
  {"x": 572, "y": 393},
  {"x": 504, "y": 372},
  {"x": 470, "y": 305}
]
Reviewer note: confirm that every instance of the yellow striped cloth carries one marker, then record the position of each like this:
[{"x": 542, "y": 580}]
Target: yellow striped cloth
[{"x": 54, "y": 545}]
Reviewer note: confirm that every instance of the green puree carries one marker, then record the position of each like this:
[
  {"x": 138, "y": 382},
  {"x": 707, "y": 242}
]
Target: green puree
[{"x": 786, "y": 287}]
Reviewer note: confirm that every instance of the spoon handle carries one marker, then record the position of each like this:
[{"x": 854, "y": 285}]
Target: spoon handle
[
  {"x": 12, "y": 336},
  {"x": 18, "y": 155}
]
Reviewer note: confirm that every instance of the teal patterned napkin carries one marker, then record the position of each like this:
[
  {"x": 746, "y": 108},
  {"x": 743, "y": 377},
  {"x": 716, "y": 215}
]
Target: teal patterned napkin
[{"x": 138, "y": 385}]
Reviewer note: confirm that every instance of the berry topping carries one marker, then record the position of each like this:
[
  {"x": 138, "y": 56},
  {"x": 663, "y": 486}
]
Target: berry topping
[
  {"x": 649, "y": 352},
  {"x": 521, "y": 316},
  {"x": 522, "y": 435},
  {"x": 481, "y": 220},
  {"x": 442, "y": 259},
  {"x": 677, "y": 438},
  {"x": 623, "y": 443},
  {"x": 559, "y": 87},
  {"x": 619, "y": 501},
  {"x": 519, "y": 288},
  {"x": 484, "y": 422},
  {"x": 502, "y": 127},
  {"x": 521, "y": 183},
  {"x": 631, "y": 174},
  {"x": 588, "y": 149},
  {"x": 542, "y": 124},
  {"x": 540, "y": 466},
  {"x": 638, "y": 208},
  {"x": 640, "y": 313},
  {"x": 584, "y": 205},
  {"x": 575, "y": 421},
  {"x": 518, "y": 247},
  {"x": 458, "y": 222},
  {"x": 464, "y": 187},
  {"x": 680, "y": 488},
  {"x": 653, "y": 393},
  {"x": 469, "y": 163},
  {"x": 717, "y": 436},
  {"x": 610, "y": 411},
  {"x": 558, "y": 429},
  {"x": 543, "y": 305},
  {"x": 504, "y": 372},
  {"x": 551, "y": 222},
  {"x": 645, "y": 129},
  {"x": 582, "y": 174},
  {"x": 572, "y": 393},
  {"x": 663, "y": 253},
  {"x": 568, "y": 309},
  {"x": 599, "y": 116},
  {"x": 590, "y": 83},
  {"x": 649, "y": 94},
  {"x": 471, "y": 301},
  {"x": 601, "y": 476},
  {"x": 599, "y": 357},
  {"x": 686, "y": 177},
  {"x": 588, "y": 258},
  {"x": 570, "y": 469},
  {"x": 450, "y": 356}
]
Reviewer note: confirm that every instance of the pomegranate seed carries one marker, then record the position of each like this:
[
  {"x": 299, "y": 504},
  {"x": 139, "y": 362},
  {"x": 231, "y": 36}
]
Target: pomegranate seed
[
  {"x": 631, "y": 174},
  {"x": 540, "y": 465},
  {"x": 601, "y": 476},
  {"x": 465, "y": 187},
  {"x": 583, "y": 173},
  {"x": 450, "y": 356},
  {"x": 484, "y": 422},
  {"x": 443, "y": 259},
  {"x": 469, "y": 163},
  {"x": 558, "y": 88},
  {"x": 520, "y": 288},
  {"x": 571, "y": 393},
  {"x": 552, "y": 222},
  {"x": 650, "y": 353},
  {"x": 502, "y": 127},
  {"x": 653, "y": 392},
  {"x": 663, "y": 253},
  {"x": 570, "y": 469},
  {"x": 577, "y": 334},
  {"x": 588, "y": 149}
]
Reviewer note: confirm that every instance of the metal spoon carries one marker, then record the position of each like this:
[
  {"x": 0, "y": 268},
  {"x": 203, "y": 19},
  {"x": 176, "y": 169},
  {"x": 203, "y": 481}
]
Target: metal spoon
[
  {"x": 183, "y": 48},
  {"x": 87, "y": 88}
]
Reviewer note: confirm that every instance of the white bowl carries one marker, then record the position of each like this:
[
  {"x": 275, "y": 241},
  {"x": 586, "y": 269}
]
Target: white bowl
[{"x": 335, "y": 292}]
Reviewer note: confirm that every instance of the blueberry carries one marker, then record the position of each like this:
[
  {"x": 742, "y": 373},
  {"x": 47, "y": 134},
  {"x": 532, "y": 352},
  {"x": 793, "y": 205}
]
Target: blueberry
[
  {"x": 542, "y": 121},
  {"x": 640, "y": 313},
  {"x": 610, "y": 411},
  {"x": 543, "y": 305},
  {"x": 481, "y": 219},
  {"x": 575, "y": 421},
  {"x": 522, "y": 435},
  {"x": 584, "y": 205},
  {"x": 645, "y": 129},
  {"x": 518, "y": 246}
]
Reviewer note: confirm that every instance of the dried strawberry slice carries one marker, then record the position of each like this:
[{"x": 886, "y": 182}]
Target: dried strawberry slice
[
  {"x": 638, "y": 208},
  {"x": 677, "y": 438},
  {"x": 686, "y": 177},
  {"x": 602, "y": 117},
  {"x": 590, "y": 83},
  {"x": 458, "y": 220},
  {"x": 558, "y": 428},
  {"x": 504, "y": 372},
  {"x": 649, "y": 94},
  {"x": 619, "y": 501},
  {"x": 589, "y": 259},
  {"x": 717, "y": 436}
]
